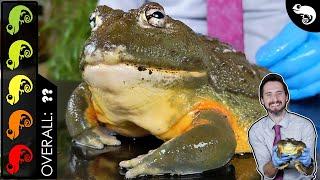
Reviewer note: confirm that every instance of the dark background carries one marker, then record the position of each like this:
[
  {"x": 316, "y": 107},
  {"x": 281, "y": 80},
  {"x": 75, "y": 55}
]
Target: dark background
[
  {"x": 297, "y": 19},
  {"x": 29, "y": 33}
]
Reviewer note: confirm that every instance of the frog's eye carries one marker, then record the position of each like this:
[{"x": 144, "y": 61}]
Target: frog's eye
[{"x": 155, "y": 17}]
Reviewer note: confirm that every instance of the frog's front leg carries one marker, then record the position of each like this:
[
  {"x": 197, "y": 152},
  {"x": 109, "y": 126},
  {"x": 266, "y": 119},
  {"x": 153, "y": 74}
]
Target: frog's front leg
[
  {"x": 208, "y": 145},
  {"x": 82, "y": 122}
]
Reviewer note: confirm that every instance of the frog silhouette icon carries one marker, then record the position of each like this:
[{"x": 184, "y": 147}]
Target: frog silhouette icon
[
  {"x": 307, "y": 13},
  {"x": 18, "y": 155}
]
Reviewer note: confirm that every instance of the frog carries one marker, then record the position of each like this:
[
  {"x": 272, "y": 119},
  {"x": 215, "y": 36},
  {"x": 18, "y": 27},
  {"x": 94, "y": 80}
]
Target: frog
[
  {"x": 145, "y": 73},
  {"x": 294, "y": 149}
]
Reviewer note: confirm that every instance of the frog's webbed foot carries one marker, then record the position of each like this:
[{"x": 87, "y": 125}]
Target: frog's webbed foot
[
  {"x": 301, "y": 169},
  {"x": 283, "y": 166},
  {"x": 82, "y": 121},
  {"x": 135, "y": 161},
  {"x": 96, "y": 138},
  {"x": 204, "y": 147}
]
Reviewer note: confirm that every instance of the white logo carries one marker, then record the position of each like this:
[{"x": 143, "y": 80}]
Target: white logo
[{"x": 307, "y": 13}]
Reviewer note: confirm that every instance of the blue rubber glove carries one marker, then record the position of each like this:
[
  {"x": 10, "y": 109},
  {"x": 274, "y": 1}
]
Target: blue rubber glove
[
  {"x": 278, "y": 161},
  {"x": 305, "y": 157},
  {"x": 295, "y": 54}
]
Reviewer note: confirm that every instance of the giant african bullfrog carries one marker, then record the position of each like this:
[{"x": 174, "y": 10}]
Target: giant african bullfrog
[
  {"x": 294, "y": 149},
  {"x": 145, "y": 73}
]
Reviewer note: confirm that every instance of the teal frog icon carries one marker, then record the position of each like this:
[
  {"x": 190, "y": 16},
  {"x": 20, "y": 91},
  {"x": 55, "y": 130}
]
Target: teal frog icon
[
  {"x": 18, "y": 15},
  {"x": 18, "y": 50}
]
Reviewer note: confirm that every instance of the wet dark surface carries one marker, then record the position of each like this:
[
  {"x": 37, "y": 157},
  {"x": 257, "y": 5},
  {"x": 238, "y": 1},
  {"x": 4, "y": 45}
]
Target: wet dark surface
[{"x": 85, "y": 163}]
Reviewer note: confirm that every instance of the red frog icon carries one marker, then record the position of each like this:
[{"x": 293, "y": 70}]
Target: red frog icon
[{"x": 18, "y": 154}]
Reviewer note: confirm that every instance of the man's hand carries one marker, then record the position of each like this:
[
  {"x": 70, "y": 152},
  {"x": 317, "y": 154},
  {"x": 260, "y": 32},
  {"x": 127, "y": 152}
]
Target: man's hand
[
  {"x": 278, "y": 161},
  {"x": 294, "y": 53},
  {"x": 305, "y": 157}
]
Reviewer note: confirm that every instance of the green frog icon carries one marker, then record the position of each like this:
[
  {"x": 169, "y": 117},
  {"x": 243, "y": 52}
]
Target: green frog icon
[
  {"x": 18, "y": 50},
  {"x": 18, "y": 15}
]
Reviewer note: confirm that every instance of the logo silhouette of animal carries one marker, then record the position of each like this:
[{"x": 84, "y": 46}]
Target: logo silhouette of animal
[
  {"x": 18, "y": 15},
  {"x": 18, "y": 120},
  {"x": 18, "y": 50},
  {"x": 19, "y": 154},
  {"x": 18, "y": 85},
  {"x": 307, "y": 13}
]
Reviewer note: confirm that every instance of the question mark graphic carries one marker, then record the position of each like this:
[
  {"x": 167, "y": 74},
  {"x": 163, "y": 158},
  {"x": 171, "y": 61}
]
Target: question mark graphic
[{"x": 45, "y": 98}]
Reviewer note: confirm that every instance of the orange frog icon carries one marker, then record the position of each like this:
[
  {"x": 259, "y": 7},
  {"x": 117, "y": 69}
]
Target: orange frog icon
[{"x": 17, "y": 121}]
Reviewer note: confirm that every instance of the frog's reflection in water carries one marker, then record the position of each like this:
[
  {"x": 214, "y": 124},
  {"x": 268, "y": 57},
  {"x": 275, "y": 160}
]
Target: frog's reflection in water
[{"x": 87, "y": 163}]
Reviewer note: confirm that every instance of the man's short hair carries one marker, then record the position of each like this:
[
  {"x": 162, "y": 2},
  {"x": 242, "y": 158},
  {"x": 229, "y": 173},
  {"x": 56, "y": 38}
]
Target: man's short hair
[{"x": 273, "y": 77}]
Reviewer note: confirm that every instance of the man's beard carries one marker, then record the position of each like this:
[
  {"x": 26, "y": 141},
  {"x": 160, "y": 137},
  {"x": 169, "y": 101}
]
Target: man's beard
[{"x": 276, "y": 112}]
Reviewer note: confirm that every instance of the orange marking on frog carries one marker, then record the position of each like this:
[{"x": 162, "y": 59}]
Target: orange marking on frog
[{"x": 189, "y": 121}]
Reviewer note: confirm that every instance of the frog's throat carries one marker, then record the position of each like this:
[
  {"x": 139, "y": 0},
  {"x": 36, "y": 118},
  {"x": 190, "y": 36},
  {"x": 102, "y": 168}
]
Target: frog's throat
[
  {"x": 188, "y": 122},
  {"x": 114, "y": 80}
]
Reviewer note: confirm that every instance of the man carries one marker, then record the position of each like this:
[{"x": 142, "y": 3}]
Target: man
[{"x": 280, "y": 124}]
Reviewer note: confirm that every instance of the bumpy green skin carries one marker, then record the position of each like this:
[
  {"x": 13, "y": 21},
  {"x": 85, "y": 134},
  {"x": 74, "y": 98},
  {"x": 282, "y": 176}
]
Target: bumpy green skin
[
  {"x": 176, "y": 48},
  {"x": 230, "y": 80},
  {"x": 195, "y": 151},
  {"x": 200, "y": 149},
  {"x": 77, "y": 105}
]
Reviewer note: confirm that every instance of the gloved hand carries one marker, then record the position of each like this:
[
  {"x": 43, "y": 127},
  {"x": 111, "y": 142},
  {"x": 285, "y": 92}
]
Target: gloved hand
[
  {"x": 294, "y": 53},
  {"x": 305, "y": 157},
  {"x": 278, "y": 161}
]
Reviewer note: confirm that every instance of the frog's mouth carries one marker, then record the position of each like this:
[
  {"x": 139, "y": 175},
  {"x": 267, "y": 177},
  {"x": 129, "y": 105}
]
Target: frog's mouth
[
  {"x": 116, "y": 76},
  {"x": 113, "y": 69},
  {"x": 112, "y": 55}
]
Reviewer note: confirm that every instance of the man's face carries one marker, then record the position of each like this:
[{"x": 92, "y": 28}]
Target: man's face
[{"x": 274, "y": 98}]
